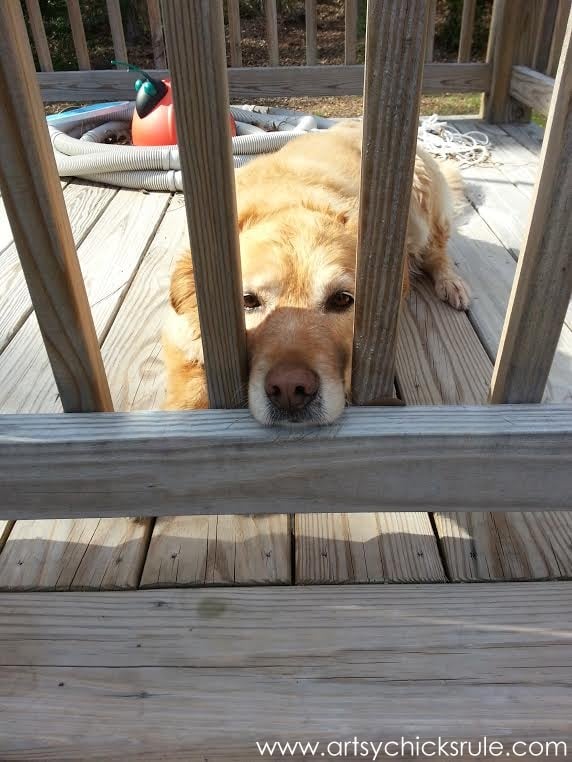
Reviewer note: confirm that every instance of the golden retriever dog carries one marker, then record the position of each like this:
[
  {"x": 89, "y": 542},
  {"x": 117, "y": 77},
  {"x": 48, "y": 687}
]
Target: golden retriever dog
[{"x": 298, "y": 223}]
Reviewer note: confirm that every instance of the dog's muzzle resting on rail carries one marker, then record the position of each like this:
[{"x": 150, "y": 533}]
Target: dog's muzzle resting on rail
[{"x": 298, "y": 218}]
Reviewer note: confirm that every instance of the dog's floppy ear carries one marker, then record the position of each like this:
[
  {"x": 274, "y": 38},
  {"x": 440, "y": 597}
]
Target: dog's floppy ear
[{"x": 182, "y": 293}]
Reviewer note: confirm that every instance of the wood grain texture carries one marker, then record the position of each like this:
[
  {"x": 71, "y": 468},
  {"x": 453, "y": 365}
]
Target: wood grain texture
[
  {"x": 251, "y": 83},
  {"x": 544, "y": 273},
  {"x": 195, "y": 44},
  {"x": 430, "y": 35},
  {"x": 272, "y": 32},
  {"x": 33, "y": 198},
  {"x": 497, "y": 546},
  {"x": 366, "y": 547},
  {"x": 544, "y": 32},
  {"x": 440, "y": 360},
  {"x": 218, "y": 550},
  {"x": 116, "y": 25},
  {"x": 157, "y": 38},
  {"x": 170, "y": 463},
  {"x": 489, "y": 269},
  {"x": 529, "y": 135},
  {"x": 466, "y": 34},
  {"x": 350, "y": 31},
  {"x": 312, "y": 664},
  {"x": 234, "y": 34},
  {"x": 311, "y": 33},
  {"x": 531, "y": 88},
  {"x": 391, "y": 111},
  {"x": 503, "y": 37},
  {"x": 109, "y": 257},
  {"x": 85, "y": 204},
  {"x": 562, "y": 17},
  {"x": 39, "y": 35},
  {"x": 78, "y": 34},
  {"x": 90, "y": 554}
]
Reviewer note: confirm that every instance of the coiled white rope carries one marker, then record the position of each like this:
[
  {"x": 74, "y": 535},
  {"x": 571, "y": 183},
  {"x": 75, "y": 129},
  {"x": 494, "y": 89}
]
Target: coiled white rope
[{"x": 447, "y": 142}]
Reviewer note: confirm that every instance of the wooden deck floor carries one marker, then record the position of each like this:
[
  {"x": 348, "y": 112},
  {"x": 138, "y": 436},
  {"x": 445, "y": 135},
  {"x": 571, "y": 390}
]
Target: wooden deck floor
[{"x": 127, "y": 241}]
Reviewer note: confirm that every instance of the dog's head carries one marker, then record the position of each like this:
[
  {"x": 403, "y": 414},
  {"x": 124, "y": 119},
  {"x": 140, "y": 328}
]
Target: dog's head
[{"x": 298, "y": 271}]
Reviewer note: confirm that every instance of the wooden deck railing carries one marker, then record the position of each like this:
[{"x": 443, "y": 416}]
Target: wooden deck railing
[
  {"x": 116, "y": 465},
  {"x": 271, "y": 81}
]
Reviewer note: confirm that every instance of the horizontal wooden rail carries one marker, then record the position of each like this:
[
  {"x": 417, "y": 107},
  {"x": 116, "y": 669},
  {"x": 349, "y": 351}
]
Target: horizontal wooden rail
[
  {"x": 531, "y": 88},
  {"x": 263, "y": 82},
  {"x": 214, "y": 461}
]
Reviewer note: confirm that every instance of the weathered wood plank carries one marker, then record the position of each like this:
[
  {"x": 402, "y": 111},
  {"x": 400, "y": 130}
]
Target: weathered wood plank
[
  {"x": 466, "y": 34},
  {"x": 85, "y": 204},
  {"x": 350, "y": 32},
  {"x": 544, "y": 275},
  {"x": 157, "y": 38},
  {"x": 215, "y": 550},
  {"x": 233, "y": 11},
  {"x": 89, "y": 554},
  {"x": 488, "y": 267},
  {"x": 78, "y": 34},
  {"x": 391, "y": 112},
  {"x": 366, "y": 547},
  {"x": 298, "y": 661},
  {"x": 562, "y": 17},
  {"x": 529, "y": 135},
  {"x": 39, "y": 35},
  {"x": 498, "y": 546},
  {"x": 272, "y": 32},
  {"x": 117, "y": 34},
  {"x": 440, "y": 360},
  {"x": 531, "y": 88},
  {"x": 543, "y": 41},
  {"x": 503, "y": 37},
  {"x": 430, "y": 34},
  {"x": 109, "y": 258},
  {"x": 170, "y": 463},
  {"x": 311, "y": 33},
  {"x": 196, "y": 48},
  {"x": 33, "y": 198},
  {"x": 251, "y": 83}
]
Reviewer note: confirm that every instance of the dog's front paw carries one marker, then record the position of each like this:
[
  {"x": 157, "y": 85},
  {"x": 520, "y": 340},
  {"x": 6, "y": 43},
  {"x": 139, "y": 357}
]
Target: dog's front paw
[{"x": 451, "y": 288}]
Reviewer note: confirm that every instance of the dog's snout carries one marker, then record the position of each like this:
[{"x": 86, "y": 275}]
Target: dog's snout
[{"x": 291, "y": 387}]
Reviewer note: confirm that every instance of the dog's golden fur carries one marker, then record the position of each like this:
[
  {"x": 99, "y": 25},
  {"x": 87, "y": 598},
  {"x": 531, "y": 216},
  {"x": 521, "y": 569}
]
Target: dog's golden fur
[{"x": 298, "y": 217}]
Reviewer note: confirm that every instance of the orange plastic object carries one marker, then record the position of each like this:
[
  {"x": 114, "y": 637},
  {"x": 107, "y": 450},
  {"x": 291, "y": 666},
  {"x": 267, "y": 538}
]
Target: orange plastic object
[{"x": 158, "y": 128}]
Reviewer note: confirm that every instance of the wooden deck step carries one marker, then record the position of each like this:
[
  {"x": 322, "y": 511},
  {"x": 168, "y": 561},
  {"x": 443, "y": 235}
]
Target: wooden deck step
[{"x": 205, "y": 674}]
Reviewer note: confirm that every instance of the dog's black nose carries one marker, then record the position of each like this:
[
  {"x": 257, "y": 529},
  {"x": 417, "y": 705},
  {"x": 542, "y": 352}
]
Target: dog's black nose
[{"x": 291, "y": 387}]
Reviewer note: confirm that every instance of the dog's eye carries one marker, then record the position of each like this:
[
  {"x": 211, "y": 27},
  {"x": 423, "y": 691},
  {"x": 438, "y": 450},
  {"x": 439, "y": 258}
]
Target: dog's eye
[
  {"x": 251, "y": 302},
  {"x": 340, "y": 301}
]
